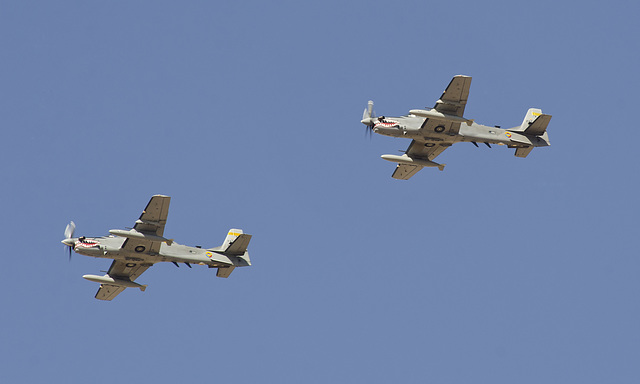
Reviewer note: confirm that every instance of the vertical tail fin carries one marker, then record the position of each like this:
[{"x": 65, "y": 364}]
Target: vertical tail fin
[
  {"x": 235, "y": 243},
  {"x": 529, "y": 118},
  {"x": 535, "y": 123},
  {"x": 231, "y": 237}
]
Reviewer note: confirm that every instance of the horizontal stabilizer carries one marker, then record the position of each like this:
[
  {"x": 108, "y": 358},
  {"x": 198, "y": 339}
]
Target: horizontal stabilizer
[
  {"x": 539, "y": 125},
  {"x": 225, "y": 271},
  {"x": 235, "y": 243},
  {"x": 523, "y": 151},
  {"x": 535, "y": 123},
  {"x": 239, "y": 245}
]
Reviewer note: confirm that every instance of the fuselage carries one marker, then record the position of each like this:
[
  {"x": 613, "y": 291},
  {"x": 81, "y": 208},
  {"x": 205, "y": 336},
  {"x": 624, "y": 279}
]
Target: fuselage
[
  {"x": 110, "y": 247},
  {"x": 409, "y": 126}
]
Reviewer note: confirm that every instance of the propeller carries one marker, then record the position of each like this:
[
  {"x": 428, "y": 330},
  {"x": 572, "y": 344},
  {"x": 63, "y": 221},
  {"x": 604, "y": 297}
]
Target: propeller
[
  {"x": 368, "y": 118},
  {"x": 69, "y": 230},
  {"x": 68, "y": 235}
]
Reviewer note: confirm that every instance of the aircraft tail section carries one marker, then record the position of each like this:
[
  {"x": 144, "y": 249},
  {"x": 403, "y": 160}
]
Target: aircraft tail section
[
  {"x": 535, "y": 123},
  {"x": 232, "y": 235},
  {"x": 235, "y": 243},
  {"x": 531, "y": 133},
  {"x": 235, "y": 248}
]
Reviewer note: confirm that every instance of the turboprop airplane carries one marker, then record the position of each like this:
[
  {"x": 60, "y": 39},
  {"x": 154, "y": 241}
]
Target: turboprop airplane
[
  {"x": 434, "y": 130},
  {"x": 135, "y": 250}
]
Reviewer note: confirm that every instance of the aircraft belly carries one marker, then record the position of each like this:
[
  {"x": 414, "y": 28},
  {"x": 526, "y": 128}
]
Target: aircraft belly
[
  {"x": 394, "y": 132},
  {"x": 195, "y": 259},
  {"x": 94, "y": 252},
  {"x": 185, "y": 257},
  {"x": 220, "y": 259},
  {"x": 484, "y": 134},
  {"x": 444, "y": 140},
  {"x": 414, "y": 134},
  {"x": 184, "y": 254}
]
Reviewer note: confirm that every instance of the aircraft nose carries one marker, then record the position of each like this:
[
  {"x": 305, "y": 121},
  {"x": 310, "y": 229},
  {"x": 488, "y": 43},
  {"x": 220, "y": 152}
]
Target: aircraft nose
[
  {"x": 68, "y": 242},
  {"x": 367, "y": 121}
]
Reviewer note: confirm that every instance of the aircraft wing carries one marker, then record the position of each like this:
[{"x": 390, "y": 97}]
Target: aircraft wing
[
  {"x": 154, "y": 216},
  {"x": 418, "y": 149},
  {"x": 452, "y": 102},
  {"x": 151, "y": 221},
  {"x": 120, "y": 270},
  {"x": 405, "y": 171},
  {"x": 454, "y": 98},
  {"x": 425, "y": 150},
  {"x": 108, "y": 292}
]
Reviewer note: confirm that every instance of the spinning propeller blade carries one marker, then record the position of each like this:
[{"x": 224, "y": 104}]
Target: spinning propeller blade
[
  {"x": 69, "y": 230},
  {"x": 367, "y": 119},
  {"x": 68, "y": 234},
  {"x": 368, "y": 131}
]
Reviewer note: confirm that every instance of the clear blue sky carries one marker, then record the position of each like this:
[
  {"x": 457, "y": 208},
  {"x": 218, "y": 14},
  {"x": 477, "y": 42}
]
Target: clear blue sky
[{"x": 497, "y": 270}]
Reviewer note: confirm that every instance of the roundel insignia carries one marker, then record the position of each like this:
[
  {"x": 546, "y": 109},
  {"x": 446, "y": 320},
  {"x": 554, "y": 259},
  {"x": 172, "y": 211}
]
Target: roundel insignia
[
  {"x": 508, "y": 134},
  {"x": 140, "y": 248},
  {"x": 439, "y": 128},
  {"x": 209, "y": 254}
]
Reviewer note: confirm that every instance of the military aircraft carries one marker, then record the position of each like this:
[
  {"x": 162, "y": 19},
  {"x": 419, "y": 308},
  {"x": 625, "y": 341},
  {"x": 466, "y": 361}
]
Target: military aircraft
[
  {"x": 434, "y": 130},
  {"x": 135, "y": 250}
]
